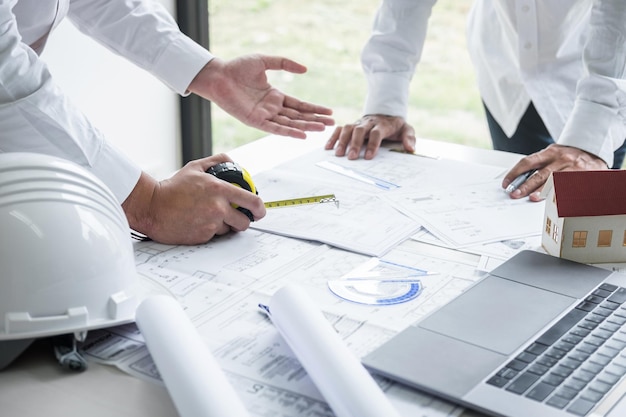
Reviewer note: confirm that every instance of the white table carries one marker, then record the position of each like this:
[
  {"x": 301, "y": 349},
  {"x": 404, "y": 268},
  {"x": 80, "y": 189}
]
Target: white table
[{"x": 35, "y": 385}]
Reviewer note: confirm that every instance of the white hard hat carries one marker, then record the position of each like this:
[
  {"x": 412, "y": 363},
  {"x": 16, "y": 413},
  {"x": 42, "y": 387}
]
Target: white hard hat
[{"x": 66, "y": 257}]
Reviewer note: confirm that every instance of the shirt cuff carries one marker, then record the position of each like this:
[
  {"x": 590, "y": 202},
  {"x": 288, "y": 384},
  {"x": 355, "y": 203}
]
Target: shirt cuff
[
  {"x": 180, "y": 63},
  {"x": 117, "y": 171},
  {"x": 594, "y": 128},
  {"x": 388, "y": 94}
]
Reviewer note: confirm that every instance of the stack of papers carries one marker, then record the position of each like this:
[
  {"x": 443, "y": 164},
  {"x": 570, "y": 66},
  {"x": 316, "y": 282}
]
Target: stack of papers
[
  {"x": 384, "y": 201},
  {"x": 410, "y": 212}
]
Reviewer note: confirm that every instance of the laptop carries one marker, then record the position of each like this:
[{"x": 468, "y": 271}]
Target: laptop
[{"x": 538, "y": 336}]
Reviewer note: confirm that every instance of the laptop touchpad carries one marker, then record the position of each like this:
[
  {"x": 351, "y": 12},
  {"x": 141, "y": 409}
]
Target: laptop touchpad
[{"x": 497, "y": 314}]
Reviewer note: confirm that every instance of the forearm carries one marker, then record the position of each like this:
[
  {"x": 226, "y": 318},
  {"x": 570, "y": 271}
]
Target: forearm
[
  {"x": 137, "y": 205},
  {"x": 210, "y": 76}
]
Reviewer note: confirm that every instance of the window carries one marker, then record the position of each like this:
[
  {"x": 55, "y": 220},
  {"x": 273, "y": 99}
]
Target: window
[
  {"x": 604, "y": 238},
  {"x": 580, "y": 239},
  {"x": 549, "y": 227},
  {"x": 555, "y": 233}
]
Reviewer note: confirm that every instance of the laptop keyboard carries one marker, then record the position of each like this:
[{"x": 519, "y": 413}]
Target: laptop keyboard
[{"x": 576, "y": 362}]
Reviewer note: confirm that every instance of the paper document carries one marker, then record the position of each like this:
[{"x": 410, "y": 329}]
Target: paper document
[
  {"x": 471, "y": 215},
  {"x": 503, "y": 249},
  {"x": 364, "y": 222},
  {"x": 398, "y": 170},
  {"x": 361, "y": 222},
  {"x": 221, "y": 283},
  {"x": 337, "y": 373},
  {"x": 193, "y": 378}
]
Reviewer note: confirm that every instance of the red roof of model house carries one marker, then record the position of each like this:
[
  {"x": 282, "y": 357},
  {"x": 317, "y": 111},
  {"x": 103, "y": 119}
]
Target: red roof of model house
[{"x": 590, "y": 193}]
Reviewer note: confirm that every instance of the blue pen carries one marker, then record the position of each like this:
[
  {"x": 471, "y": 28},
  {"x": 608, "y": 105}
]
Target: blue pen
[
  {"x": 521, "y": 179},
  {"x": 265, "y": 308}
]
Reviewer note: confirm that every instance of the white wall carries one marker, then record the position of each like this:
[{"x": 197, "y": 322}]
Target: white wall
[{"x": 133, "y": 109}]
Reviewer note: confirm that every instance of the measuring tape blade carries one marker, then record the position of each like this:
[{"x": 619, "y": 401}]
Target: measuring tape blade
[
  {"x": 233, "y": 173},
  {"x": 318, "y": 199}
]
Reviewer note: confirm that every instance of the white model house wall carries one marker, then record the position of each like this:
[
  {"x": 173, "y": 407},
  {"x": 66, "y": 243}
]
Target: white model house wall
[
  {"x": 552, "y": 228},
  {"x": 596, "y": 249}
]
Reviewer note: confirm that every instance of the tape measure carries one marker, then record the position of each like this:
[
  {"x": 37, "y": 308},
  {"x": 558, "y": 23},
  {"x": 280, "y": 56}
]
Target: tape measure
[
  {"x": 231, "y": 172},
  {"x": 238, "y": 176},
  {"x": 327, "y": 198}
]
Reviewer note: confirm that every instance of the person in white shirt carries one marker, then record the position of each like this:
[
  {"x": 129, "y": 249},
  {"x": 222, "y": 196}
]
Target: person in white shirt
[
  {"x": 551, "y": 74},
  {"x": 36, "y": 116}
]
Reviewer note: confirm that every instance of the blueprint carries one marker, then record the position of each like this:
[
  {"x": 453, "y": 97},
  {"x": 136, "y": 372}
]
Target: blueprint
[
  {"x": 411, "y": 212},
  {"x": 220, "y": 285}
]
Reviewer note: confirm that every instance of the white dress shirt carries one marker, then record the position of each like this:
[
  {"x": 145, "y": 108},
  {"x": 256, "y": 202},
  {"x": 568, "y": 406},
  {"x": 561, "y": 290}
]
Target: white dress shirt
[
  {"x": 567, "y": 57},
  {"x": 35, "y": 115}
]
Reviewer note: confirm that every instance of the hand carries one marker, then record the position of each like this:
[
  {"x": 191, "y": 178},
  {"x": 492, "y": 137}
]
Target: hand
[
  {"x": 372, "y": 129},
  {"x": 548, "y": 160},
  {"x": 191, "y": 207},
  {"x": 240, "y": 87}
]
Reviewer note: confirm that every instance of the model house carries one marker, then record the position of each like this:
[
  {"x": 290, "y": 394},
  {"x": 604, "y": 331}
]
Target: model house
[{"x": 585, "y": 216}]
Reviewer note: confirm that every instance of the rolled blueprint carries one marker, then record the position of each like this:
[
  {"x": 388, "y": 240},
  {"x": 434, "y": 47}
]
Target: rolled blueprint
[
  {"x": 191, "y": 374},
  {"x": 341, "y": 378}
]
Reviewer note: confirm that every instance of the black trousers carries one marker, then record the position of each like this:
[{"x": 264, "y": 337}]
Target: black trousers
[{"x": 531, "y": 136}]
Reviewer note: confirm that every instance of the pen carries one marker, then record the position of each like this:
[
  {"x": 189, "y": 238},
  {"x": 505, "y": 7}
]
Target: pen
[
  {"x": 266, "y": 309},
  {"x": 519, "y": 181}
]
